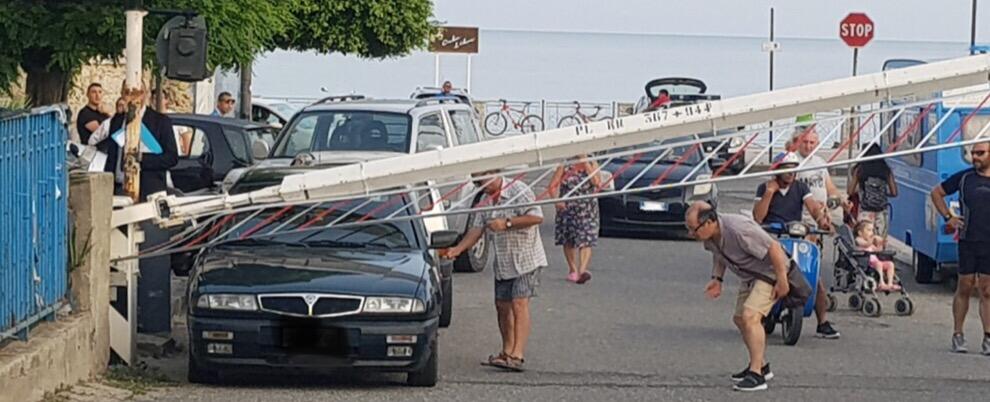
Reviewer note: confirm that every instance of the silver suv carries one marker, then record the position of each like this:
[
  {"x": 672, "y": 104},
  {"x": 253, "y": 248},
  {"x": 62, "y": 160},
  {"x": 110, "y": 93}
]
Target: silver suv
[{"x": 354, "y": 127}]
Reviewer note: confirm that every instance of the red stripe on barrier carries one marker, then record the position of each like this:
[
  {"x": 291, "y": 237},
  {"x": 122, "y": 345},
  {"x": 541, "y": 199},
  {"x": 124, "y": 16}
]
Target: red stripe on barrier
[
  {"x": 336, "y": 206},
  {"x": 680, "y": 161},
  {"x": 213, "y": 230},
  {"x": 735, "y": 156},
  {"x": 619, "y": 171},
  {"x": 265, "y": 222},
  {"x": 966, "y": 120},
  {"x": 914, "y": 125},
  {"x": 854, "y": 137},
  {"x": 391, "y": 201},
  {"x": 444, "y": 197}
]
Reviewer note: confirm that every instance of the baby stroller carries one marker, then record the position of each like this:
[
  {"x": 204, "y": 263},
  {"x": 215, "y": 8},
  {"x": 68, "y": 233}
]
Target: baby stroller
[{"x": 853, "y": 275}]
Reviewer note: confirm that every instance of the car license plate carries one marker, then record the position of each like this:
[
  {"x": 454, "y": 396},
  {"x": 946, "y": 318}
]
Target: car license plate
[
  {"x": 316, "y": 338},
  {"x": 653, "y": 206}
]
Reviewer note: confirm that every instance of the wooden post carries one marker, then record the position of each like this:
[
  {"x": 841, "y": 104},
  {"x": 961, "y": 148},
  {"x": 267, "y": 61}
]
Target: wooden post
[{"x": 134, "y": 95}]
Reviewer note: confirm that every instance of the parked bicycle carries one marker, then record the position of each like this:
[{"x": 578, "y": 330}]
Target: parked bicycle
[
  {"x": 580, "y": 118},
  {"x": 497, "y": 122}
]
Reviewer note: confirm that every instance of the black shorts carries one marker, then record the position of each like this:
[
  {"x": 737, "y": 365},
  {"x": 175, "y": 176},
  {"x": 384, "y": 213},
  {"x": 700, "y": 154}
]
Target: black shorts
[{"x": 974, "y": 257}]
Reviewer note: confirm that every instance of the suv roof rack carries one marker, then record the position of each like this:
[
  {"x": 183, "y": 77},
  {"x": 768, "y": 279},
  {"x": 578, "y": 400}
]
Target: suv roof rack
[
  {"x": 440, "y": 100},
  {"x": 340, "y": 98}
]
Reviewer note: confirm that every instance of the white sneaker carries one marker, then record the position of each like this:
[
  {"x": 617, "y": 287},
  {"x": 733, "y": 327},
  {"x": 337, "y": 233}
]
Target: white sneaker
[{"x": 959, "y": 344}]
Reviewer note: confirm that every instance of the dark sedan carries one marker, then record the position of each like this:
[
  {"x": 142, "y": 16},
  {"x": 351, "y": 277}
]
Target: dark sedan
[
  {"x": 356, "y": 297},
  {"x": 656, "y": 212},
  {"x": 211, "y": 146}
]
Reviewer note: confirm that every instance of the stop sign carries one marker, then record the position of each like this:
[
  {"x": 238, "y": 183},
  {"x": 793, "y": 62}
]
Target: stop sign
[{"x": 856, "y": 29}]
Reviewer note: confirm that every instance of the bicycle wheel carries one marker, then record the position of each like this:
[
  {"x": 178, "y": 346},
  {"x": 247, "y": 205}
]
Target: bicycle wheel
[
  {"x": 532, "y": 123},
  {"x": 495, "y": 124},
  {"x": 568, "y": 121}
]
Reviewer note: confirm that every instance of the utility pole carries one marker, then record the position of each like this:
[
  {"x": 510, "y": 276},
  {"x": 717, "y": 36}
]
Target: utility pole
[
  {"x": 134, "y": 95},
  {"x": 772, "y": 51},
  {"x": 246, "y": 78},
  {"x": 972, "y": 32}
]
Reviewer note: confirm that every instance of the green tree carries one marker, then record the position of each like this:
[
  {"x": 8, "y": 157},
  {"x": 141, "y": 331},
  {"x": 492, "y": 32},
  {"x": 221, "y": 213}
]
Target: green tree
[{"x": 51, "y": 39}]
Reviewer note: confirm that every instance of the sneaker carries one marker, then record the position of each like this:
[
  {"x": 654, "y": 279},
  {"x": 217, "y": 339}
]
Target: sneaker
[
  {"x": 986, "y": 345},
  {"x": 752, "y": 382},
  {"x": 826, "y": 331},
  {"x": 959, "y": 343},
  {"x": 767, "y": 374}
]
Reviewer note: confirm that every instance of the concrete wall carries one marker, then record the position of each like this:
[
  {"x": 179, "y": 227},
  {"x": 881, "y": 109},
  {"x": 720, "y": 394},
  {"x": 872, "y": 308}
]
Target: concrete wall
[{"x": 76, "y": 346}]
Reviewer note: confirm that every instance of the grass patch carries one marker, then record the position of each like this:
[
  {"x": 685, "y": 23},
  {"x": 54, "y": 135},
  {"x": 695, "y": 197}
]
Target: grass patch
[{"x": 139, "y": 380}]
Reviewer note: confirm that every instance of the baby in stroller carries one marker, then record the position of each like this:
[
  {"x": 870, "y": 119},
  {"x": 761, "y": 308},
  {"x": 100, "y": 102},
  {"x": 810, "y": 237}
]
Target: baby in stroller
[{"x": 867, "y": 240}]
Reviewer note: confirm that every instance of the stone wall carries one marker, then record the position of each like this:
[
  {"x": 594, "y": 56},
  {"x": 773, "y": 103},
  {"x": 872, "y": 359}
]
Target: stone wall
[{"x": 75, "y": 347}]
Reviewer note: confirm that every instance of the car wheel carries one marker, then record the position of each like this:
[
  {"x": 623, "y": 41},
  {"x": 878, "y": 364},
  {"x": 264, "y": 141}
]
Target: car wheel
[
  {"x": 447, "y": 304},
  {"x": 427, "y": 376},
  {"x": 924, "y": 268},
  {"x": 474, "y": 260},
  {"x": 199, "y": 375}
]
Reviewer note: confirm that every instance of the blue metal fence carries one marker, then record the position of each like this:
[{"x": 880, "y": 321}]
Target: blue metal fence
[{"x": 33, "y": 219}]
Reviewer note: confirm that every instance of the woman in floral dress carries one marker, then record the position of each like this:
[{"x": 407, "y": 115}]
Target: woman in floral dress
[{"x": 576, "y": 221}]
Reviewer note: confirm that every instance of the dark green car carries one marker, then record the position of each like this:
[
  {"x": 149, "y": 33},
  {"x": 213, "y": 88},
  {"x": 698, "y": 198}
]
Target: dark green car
[{"x": 367, "y": 296}]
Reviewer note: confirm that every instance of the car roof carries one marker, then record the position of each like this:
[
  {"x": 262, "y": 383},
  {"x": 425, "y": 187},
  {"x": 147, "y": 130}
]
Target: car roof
[
  {"x": 226, "y": 121},
  {"x": 402, "y": 106}
]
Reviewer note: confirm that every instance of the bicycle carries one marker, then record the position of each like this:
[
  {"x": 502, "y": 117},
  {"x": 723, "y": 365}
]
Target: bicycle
[
  {"x": 497, "y": 122},
  {"x": 580, "y": 118}
]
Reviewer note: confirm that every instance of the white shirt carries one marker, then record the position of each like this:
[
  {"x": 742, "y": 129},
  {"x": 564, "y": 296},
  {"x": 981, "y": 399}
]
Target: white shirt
[{"x": 816, "y": 180}]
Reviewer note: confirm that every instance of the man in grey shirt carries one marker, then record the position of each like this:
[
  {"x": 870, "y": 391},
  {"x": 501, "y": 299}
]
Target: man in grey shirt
[
  {"x": 741, "y": 245},
  {"x": 514, "y": 235}
]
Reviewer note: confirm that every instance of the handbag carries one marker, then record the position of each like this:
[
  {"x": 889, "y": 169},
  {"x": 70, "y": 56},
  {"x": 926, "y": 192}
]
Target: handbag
[{"x": 800, "y": 290}]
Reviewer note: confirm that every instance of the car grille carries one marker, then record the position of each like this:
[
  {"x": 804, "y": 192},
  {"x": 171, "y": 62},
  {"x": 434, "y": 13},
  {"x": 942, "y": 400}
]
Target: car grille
[{"x": 323, "y": 305}]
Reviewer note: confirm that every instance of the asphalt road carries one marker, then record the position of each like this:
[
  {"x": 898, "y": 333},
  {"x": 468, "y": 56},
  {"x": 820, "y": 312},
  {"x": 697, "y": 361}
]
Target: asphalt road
[{"x": 643, "y": 330}]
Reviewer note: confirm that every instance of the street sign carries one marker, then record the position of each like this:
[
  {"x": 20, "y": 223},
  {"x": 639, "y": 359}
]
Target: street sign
[
  {"x": 856, "y": 30},
  {"x": 455, "y": 40},
  {"x": 771, "y": 46}
]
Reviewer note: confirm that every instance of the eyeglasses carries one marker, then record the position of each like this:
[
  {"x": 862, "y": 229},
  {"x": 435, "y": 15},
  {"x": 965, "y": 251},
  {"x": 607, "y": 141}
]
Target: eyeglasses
[
  {"x": 695, "y": 229},
  {"x": 978, "y": 153},
  {"x": 227, "y": 101}
]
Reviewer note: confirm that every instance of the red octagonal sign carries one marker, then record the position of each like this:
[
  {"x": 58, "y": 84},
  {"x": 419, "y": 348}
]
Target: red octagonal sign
[{"x": 856, "y": 29}]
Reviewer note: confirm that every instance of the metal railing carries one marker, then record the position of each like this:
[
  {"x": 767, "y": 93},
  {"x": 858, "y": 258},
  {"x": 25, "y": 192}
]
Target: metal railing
[{"x": 33, "y": 219}]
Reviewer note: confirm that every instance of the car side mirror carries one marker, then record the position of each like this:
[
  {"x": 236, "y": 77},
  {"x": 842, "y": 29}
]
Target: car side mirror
[
  {"x": 443, "y": 238},
  {"x": 260, "y": 149}
]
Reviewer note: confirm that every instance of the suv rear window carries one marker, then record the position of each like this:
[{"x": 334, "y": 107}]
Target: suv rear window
[{"x": 345, "y": 130}]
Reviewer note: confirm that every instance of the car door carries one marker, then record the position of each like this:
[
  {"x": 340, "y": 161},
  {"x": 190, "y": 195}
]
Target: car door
[
  {"x": 431, "y": 132},
  {"x": 194, "y": 169}
]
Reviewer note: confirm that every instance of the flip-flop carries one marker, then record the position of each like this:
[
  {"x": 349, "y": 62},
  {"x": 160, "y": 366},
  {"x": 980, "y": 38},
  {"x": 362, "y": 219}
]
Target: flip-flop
[
  {"x": 585, "y": 276},
  {"x": 511, "y": 364}
]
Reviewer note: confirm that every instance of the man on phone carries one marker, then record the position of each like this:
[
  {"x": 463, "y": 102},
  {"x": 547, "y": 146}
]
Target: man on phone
[
  {"x": 782, "y": 200},
  {"x": 514, "y": 234}
]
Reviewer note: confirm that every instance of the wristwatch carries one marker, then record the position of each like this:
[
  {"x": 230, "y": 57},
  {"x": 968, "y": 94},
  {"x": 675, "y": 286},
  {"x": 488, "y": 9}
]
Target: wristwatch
[
  {"x": 508, "y": 223},
  {"x": 717, "y": 278}
]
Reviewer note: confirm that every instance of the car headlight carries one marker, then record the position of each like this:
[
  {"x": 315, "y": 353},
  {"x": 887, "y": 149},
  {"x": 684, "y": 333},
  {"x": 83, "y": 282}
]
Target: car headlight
[
  {"x": 392, "y": 305},
  {"x": 701, "y": 190},
  {"x": 227, "y": 302},
  {"x": 735, "y": 142}
]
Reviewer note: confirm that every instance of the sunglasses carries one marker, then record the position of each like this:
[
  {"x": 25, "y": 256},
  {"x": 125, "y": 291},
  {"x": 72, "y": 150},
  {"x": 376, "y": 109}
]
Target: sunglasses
[{"x": 978, "y": 153}]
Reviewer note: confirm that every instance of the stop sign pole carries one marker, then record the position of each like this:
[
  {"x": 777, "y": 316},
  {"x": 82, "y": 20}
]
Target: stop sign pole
[{"x": 856, "y": 30}]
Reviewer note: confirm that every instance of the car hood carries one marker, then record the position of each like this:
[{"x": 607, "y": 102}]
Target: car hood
[
  {"x": 317, "y": 270},
  {"x": 676, "y": 172}
]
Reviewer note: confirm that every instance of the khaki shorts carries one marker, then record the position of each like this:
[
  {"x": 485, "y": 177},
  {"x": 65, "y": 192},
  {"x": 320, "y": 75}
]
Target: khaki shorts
[{"x": 756, "y": 296}]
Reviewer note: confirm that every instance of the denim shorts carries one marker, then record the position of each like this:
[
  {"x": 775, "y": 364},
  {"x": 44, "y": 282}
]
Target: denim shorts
[{"x": 520, "y": 287}]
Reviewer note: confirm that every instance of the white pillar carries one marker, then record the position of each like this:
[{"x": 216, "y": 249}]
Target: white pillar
[
  {"x": 436, "y": 69},
  {"x": 467, "y": 83},
  {"x": 135, "y": 28}
]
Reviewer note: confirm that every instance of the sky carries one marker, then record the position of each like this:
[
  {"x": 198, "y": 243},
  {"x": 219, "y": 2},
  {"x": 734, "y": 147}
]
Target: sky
[{"x": 915, "y": 20}]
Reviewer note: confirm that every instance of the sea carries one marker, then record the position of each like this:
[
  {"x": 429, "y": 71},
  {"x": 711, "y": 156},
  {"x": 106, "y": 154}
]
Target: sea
[{"x": 585, "y": 66}]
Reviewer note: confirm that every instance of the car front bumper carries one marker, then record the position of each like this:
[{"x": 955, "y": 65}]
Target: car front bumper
[
  {"x": 623, "y": 214},
  {"x": 311, "y": 344}
]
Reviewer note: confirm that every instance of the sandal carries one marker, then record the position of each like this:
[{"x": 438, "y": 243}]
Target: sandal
[
  {"x": 511, "y": 363},
  {"x": 495, "y": 359},
  {"x": 585, "y": 277}
]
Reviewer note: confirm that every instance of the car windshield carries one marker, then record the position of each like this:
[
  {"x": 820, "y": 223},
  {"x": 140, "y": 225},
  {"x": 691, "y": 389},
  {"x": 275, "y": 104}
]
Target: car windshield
[
  {"x": 675, "y": 89},
  {"x": 670, "y": 156},
  {"x": 345, "y": 130},
  {"x": 390, "y": 235},
  {"x": 284, "y": 109}
]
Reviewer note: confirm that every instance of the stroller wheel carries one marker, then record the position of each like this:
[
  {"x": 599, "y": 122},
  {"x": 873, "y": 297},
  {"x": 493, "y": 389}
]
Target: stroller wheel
[
  {"x": 855, "y": 301},
  {"x": 833, "y": 303},
  {"x": 870, "y": 284},
  {"x": 904, "y": 306},
  {"x": 871, "y": 307}
]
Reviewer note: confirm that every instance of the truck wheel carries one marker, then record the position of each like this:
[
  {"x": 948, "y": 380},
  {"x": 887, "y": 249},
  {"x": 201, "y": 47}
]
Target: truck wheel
[
  {"x": 427, "y": 376},
  {"x": 924, "y": 268},
  {"x": 447, "y": 304}
]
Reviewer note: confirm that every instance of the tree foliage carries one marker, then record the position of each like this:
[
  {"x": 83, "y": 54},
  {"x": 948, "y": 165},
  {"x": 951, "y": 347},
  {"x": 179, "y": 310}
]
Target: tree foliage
[{"x": 52, "y": 39}]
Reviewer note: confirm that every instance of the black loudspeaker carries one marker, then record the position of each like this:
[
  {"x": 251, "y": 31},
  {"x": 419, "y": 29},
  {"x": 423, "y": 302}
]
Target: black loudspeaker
[{"x": 187, "y": 54}]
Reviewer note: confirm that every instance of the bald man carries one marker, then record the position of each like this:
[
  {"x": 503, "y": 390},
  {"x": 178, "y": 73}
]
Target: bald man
[{"x": 741, "y": 245}]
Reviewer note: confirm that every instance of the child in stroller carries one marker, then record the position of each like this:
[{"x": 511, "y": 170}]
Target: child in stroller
[
  {"x": 867, "y": 240},
  {"x": 855, "y": 276}
]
